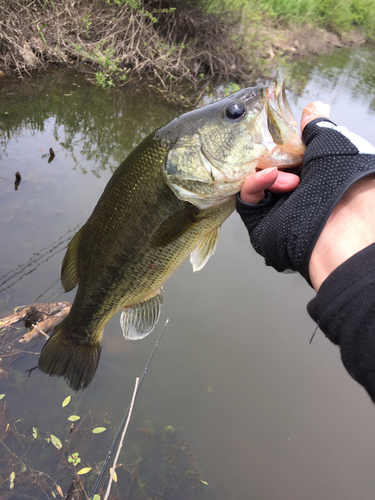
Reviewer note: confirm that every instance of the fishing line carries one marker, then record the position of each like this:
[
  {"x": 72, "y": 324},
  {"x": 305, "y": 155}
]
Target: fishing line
[
  {"x": 22, "y": 270},
  {"x": 115, "y": 441},
  {"x": 49, "y": 288},
  {"x": 313, "y": 335}
]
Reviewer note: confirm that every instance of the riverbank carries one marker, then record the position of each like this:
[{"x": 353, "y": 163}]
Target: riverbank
[{"x": 168, "y": 45}]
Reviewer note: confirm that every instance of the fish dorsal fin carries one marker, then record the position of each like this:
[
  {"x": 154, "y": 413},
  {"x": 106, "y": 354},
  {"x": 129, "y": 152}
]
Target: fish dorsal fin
[
  {"x": 206, "y": 247},
  {"x": 69, "y": 268},
  {"x": 139, "y": 320},
  {"x": 177, "y": 225}
]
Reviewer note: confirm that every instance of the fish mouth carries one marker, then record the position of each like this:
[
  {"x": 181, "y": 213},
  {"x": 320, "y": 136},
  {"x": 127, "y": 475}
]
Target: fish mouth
[
  {"x": 276, "y": 98},
  {"x": 288, "y": 150}
]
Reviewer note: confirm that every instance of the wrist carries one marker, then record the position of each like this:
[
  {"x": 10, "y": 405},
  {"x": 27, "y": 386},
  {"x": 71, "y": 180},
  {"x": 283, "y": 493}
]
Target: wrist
[{"x": 349, "y": 229}]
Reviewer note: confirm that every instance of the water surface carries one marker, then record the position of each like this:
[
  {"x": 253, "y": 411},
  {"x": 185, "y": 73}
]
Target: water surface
[{"x": 267, "y": 414}]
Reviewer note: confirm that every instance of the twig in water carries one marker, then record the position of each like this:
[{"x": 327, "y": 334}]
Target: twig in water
[
  {"x": 40, "y": 330},
  {"x": 122, "y": 439},
  {"x": 96, "y": 485}
]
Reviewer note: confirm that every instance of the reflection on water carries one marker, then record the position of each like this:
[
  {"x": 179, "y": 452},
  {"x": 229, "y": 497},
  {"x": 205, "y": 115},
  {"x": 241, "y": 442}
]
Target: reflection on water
[
  {"x": 84, "y": 121},
  {"x": 348, "y": 71},
  {"x": 266, "y": 414}
]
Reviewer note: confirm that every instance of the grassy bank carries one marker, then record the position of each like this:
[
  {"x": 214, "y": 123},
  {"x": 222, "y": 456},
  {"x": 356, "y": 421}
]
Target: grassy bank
[
  {"x": 339, "y": 16},
  {"x": 179, "y": 48}
]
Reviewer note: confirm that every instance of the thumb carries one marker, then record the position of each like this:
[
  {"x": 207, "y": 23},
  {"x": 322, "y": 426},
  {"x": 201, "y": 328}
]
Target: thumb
[{"x": 315, "y": 109}]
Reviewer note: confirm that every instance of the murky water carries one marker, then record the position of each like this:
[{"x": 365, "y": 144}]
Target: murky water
[{"x": 267, "y": 414}]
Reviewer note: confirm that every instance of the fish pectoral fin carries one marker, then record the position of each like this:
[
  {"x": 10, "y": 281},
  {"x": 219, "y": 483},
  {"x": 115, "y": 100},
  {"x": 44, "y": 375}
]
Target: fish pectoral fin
[
  {"x": 206, "y": 247},
  {"x": 69, "y": 268},
  {"x": 139, "y": 320},
  {"x": 177, "y": 225}
]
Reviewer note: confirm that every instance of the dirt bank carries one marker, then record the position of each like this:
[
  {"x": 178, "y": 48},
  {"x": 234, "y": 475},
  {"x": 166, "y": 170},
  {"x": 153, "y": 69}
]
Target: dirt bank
[{"x": 306, "y": 40}]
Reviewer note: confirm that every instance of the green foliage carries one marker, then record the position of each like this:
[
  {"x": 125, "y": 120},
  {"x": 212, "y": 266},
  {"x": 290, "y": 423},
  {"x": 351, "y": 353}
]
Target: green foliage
[
  {"x": 66, "y": 401},
  {"x": 231, "y": 89},
  {"x": 56, "y": 442},
  {"x": 338, "y": 15},
  {"x": 334, "y": 14},
  {"x": 74, "y": 459},
  {"x": 86, "y": 23},
  {"x": 99, "y": 430},
  {"x": 103, "y": 79},
  {"x": 363, "y": 15},
  {"x": 138, "y": 7},
  {"x": 48, "y": 3},
  {"x": 105, "y": 58},
  {"x": 40, "y": 31}
]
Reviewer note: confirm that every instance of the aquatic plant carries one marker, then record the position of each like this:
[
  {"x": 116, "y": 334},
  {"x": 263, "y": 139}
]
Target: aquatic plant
[
  {"x": 35, "y": 463},
  {"x": 39, "y": 462}
]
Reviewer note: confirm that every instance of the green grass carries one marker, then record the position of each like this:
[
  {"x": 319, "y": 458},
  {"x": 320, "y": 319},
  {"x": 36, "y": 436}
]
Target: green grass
[{"x": 336, "y": 15}]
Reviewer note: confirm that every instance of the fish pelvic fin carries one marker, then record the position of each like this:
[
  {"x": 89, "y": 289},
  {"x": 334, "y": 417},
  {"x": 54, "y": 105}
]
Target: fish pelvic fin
[
  {"x": 139, "y": 320},
  {"x": 206, "y": 247},
  {"x": 76, "y": 362},
  {"x": 69, "y": 268}
]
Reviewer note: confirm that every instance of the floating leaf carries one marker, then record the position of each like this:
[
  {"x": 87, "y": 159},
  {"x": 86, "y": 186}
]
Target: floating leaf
[
  {"x": 53, "y": 494},
  {"x": 35, "y": 433},
  {"x": 114, "y": 474},
  {"x": 98, "y": 430},
  {"x": 85, "y": 470},
  {"x": 73, "y": 418},
  {"x": 66, "y": 401},
  {"x": 12, "y": 477},
  {"x": 2, "y": 396},
  {"x": 56, "y": 442},
  {"x": 59, "y": 490},
  {"x": 74, "y": 458},
  {"x": 96, "y": 497}
]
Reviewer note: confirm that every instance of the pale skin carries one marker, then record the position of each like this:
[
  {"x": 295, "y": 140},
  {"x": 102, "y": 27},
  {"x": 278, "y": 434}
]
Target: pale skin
[{"x": 351, "y": 225}]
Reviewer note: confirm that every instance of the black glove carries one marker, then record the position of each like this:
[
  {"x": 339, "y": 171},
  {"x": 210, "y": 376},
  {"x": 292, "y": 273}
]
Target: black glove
[{"x": 284, "y": 228}]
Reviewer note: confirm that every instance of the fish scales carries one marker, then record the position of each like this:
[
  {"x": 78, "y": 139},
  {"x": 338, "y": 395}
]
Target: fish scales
[
  {"x": 167, "y": 200},
  {"x": 115, "y": 236}
]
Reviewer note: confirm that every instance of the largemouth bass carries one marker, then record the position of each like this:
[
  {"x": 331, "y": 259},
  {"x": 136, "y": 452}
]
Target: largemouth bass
[{"x": 166, "y": 201}]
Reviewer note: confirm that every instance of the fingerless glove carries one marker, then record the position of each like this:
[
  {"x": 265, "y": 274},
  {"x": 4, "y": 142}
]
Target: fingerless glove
[{"x": 284, "y": 228}]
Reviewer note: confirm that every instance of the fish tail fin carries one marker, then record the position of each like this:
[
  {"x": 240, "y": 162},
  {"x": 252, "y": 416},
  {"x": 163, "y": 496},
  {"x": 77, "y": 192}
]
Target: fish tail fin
[{"x": 76, "y": 362}]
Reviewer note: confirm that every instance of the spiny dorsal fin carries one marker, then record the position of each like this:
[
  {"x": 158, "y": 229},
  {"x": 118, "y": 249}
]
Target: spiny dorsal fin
[
  {"x": 206, "y": 247},
  {"x": 177, "y": 225},
  {"x": 139, "y": 320},
  {"x": 69, "y": 268}
]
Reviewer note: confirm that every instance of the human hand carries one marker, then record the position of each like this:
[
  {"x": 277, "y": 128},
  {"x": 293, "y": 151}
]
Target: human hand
[{"x": 284, "y": 225}]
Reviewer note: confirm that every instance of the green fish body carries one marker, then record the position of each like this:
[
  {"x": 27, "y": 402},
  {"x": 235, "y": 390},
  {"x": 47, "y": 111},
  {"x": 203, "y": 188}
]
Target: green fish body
[{"x": 166, "y": 201}]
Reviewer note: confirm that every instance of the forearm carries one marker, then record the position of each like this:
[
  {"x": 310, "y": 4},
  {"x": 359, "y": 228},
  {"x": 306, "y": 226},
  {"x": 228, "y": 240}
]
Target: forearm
[{"x": 349, "y": 229}]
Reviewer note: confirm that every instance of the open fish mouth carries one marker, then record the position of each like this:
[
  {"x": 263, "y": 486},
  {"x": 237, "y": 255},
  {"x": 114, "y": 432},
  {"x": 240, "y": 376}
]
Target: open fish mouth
[
  {"x": 287, "y": 150},
  {"x": 276, "y": 98}
]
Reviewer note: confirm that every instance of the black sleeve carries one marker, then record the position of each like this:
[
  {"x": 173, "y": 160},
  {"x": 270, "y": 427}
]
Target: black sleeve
[{"x": 344, "y": 309}]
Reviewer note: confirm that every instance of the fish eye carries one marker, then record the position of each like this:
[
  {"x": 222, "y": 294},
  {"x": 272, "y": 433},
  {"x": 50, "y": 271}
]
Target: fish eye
[{"x": 235, "y": 110}]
